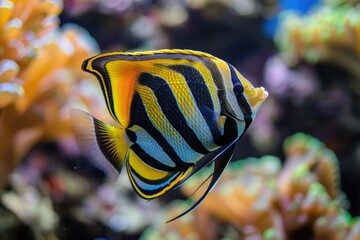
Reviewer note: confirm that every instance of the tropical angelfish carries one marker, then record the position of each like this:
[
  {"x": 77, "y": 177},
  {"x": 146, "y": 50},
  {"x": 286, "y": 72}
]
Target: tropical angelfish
[{"x": 176, "y": 112}]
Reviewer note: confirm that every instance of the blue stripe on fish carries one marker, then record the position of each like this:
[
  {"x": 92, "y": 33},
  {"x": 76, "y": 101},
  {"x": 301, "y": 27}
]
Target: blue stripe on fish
[
  {"x": 147, "y": 143},
  {"x": 201, "y": 94},
  {"x": 139, "y": 117},
  {"x": 196, "y": 83},
  {"x": 150, "y": 152},
  {"x": 146, "y": 155},
  {"x": 149, "y": 187}
]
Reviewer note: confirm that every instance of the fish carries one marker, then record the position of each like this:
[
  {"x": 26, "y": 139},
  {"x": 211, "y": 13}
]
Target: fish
[{"x": 175, "y": 112}]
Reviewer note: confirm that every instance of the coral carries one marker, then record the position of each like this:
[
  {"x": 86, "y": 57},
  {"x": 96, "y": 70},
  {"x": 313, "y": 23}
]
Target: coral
[
  {"x": 330, "y": 33},
  {"x": 260, "y": 199},
  {"x": 308, "y": 185},
  {"x": 32, "y": 207},
  {"x": 40, "y": 77},
  {"x": 111, "y": 205},
  {"x": 320, "y": 57},
  {"x": 51, "y": 200}
]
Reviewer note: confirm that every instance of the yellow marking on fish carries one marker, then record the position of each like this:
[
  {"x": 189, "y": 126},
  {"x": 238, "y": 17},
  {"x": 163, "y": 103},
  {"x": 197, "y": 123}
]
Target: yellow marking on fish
[
  {"x": 143, "y": 169},
  {"x": 187, "y": 104},
  {"x": 204, "y": 72},
  {"x": 209, "y": 81},
  {"x": 225, "y": 72},
  {"x": 124, "y": 75},
  {"x": 158, "y": 194},
  {"x": 156, "y": 52},
  {"x": 157, "y": 117},
  {"x": 152, "y": 147},
  {"x": 221, "y": 123}
]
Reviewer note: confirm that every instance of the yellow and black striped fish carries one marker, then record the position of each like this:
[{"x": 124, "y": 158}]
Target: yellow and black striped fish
[{"x": 177, "y": 111}]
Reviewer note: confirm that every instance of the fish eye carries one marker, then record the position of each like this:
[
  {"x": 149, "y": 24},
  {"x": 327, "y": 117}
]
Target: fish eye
[{"x": 238, "y": 89}]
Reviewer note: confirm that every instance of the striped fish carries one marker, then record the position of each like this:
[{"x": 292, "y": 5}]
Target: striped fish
[{"x": 177, "y": 111}]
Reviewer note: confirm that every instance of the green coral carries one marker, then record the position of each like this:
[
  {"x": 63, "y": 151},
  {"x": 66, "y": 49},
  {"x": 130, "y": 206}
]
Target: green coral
[
  {"x": 259, "y": 198},
  {"x": 330, "y": 33}
]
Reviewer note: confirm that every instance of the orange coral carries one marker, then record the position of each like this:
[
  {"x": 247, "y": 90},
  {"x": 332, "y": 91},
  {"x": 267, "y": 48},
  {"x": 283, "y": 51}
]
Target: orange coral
[
  {"x": 257, "y": 199},
  {"x": 40, "y": 76}
]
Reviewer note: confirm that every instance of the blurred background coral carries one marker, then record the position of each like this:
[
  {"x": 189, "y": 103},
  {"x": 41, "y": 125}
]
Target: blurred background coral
[{"x": 282, "y": 185}]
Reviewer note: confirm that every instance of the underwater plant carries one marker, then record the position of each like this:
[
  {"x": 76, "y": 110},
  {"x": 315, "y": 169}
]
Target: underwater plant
[
  {"x": 260, "y": 199},
  {"x": 40, "y": 77}
]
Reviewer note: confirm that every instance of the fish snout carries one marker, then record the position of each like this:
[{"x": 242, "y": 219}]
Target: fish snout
[{"x": 255, "y": 97}]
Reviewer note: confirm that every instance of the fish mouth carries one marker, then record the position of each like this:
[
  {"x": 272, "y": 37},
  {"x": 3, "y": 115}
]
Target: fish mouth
[
  {"x": 249, "y": 102},
  {"x": 255, "y": 96}
]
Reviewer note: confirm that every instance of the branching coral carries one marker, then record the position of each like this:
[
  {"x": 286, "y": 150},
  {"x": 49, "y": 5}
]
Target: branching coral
[
  {"x": 39, "y": 74},
  {"x": 257, "y": 199},
  {"x": 330, "y": 33},
  {"x": 308, "y": 185}
]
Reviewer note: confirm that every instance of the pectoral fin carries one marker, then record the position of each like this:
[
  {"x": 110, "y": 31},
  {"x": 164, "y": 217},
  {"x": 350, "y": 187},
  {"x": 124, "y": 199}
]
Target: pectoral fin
[{"x": 106, "y": 146}]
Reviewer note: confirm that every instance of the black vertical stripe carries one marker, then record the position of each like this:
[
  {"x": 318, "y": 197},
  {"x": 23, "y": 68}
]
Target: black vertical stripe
[
  {"x": 230, "y": 128},
  {"x": 196, "y": 83},
  {"x": 230, "y": 131},
  {"x": 243, "y": 103},
  {"x": 156, "y": 189},
  {"x": 139, "y": 117},
  {"x": 202, "y": 96},
  {"x": 169, "y": 107},
  {"x": 217, "y": 77},
  {"x": 234, "y": 77},
  {"x": 105, "y": 82},
  {"x": 153, "y": 182},
  {"x": 149, "y": 160}
]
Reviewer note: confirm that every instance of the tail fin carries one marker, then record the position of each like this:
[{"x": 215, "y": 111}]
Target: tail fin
[{"x": 105, "y": 145}]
